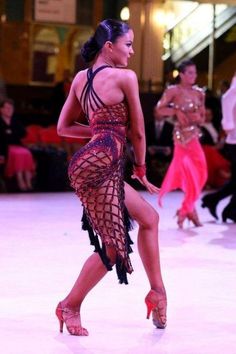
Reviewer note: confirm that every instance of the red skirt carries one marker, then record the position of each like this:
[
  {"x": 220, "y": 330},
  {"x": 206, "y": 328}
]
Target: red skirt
[{"x": 19, "y": 159}]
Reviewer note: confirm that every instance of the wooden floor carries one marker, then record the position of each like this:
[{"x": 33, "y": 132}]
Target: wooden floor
[{"x": 42, "y": 249}]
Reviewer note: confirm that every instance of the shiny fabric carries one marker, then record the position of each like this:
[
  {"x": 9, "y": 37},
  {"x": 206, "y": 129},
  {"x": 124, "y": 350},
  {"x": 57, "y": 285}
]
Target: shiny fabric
[
  {"x": 188, "y": 172},
  {"x": 96, "y": 174}
]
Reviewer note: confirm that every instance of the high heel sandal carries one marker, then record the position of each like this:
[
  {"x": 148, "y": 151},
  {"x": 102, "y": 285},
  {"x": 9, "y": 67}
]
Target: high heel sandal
[
  {"x": 67, "y": 316},
  {"x": 194, "y": 218},
  {"x": 180, "y": 218},
  {"x": 158, "y": 307}
]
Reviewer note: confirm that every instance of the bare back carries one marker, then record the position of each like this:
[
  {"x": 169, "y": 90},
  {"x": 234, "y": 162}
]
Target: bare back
[{"x": 107, "y": 85}]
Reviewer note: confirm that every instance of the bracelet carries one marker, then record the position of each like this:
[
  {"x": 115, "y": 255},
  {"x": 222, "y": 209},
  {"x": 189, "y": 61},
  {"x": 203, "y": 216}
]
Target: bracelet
[{"x": 139, "y": 170}]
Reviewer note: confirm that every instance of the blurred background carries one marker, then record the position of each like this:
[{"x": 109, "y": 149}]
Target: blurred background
[{"x": 40, "y": 45}]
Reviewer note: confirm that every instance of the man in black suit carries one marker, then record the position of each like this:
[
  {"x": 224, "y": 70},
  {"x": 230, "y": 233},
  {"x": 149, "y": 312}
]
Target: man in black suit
[
  {"x": 229, "y": 189},
  {"x": 160, "y": 147}
]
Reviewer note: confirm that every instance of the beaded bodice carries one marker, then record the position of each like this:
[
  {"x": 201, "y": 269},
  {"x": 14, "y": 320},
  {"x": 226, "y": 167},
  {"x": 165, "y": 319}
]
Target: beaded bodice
[
  {"x": 187, "y": 101},
  {"x": 110, "y": 119}
]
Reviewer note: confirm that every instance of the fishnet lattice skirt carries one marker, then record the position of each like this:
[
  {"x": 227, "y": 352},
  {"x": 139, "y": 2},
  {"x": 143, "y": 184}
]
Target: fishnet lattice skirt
[{"x": 98, "y": 181}]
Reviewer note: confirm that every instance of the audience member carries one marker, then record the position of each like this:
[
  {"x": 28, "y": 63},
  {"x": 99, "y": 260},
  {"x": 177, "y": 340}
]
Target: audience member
[
  {"x": 18, "y": 160},
  {"x": 160, "y": 147},
  {"x": 218, "y": 167},
  {"x": 60, "y": 93},
  {"x": 229, "y": 189}
]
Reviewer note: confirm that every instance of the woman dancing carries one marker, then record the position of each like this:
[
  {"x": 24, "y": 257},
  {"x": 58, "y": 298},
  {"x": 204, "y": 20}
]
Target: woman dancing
[
  {"x": 188, "y": 169},
  {"x": 108, "y": 95}
]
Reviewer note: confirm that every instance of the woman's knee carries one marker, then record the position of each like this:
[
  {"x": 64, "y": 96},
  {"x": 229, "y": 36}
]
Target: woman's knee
[{"x": 150, "y": 220}]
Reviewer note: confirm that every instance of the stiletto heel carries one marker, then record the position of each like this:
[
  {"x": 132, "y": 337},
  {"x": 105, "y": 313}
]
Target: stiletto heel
[
  {"x": 180, "y": 218},
  {"x": 157, "y": 305},
  {"x": 150, "y": 307},
  {"x": 71, "y": 319},
  {"x": 59, "y": 316}
]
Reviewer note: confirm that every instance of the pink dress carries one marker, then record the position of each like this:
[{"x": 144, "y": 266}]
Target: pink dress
[
  {"x": 188, "y": 168},
  {"x": 19, "y": 159}
]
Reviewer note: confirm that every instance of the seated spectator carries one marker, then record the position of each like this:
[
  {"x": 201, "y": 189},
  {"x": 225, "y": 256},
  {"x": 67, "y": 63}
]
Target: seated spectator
[{"x": 18, "y": 160}]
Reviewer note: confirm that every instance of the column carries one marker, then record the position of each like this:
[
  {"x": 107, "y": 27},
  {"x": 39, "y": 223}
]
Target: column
[{"x": 146, "y": 18}]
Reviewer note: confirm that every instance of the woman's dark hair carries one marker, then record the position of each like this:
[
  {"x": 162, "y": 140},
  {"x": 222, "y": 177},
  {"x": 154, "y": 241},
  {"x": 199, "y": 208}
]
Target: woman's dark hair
[
  {"x": 182, "y": 67},
  {"x": 184, "y": 64},
  {"x": 107, "y": 30}
]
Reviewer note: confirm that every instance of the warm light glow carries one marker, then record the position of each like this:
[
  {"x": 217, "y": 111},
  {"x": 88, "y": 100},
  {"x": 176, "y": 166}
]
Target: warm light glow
[
  {"x": 163, "y": 18},
  {"x": 175, "y": 73},
  {"x": 159, "y": 17},
  {"x": 3, "y": 18},
  {"x": 124, "y": 14}
]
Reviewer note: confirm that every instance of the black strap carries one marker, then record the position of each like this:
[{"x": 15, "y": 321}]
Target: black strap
[{"x": 88, "y": 95}]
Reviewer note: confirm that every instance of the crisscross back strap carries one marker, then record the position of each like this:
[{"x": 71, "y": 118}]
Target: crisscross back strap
[{"x": 89, "y": 97}]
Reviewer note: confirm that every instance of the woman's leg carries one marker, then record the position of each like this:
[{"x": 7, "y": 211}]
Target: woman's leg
[
  {"x": 148, "y": 246},
  {"x": 91, "y": 273},
  {"x": 21, "y": 181},
  {"x": 148, "y": 219},
  {"x": 28, "y": 179}
]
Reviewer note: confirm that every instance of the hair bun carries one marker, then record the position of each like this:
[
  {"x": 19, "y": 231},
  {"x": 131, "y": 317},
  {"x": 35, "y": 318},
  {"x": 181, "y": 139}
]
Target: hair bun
[{"x": 89, "y": 49}]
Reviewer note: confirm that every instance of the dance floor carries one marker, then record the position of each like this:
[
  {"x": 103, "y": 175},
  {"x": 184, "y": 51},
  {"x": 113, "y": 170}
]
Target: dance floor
[{"x": 43, "y": 248}]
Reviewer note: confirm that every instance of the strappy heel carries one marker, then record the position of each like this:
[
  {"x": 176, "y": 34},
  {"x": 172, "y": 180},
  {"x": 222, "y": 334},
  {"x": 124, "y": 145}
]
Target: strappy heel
[
  {"x": 194, "y": 218},
  {"x": 157, "y": 305},
  {"x": 68, "y": 316},
  {"x": 180, "y": 218}
]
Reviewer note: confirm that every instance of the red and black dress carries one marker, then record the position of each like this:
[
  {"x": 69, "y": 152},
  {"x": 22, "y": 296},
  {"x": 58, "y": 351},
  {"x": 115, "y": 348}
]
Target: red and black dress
[{"x": 96, "y": 174}]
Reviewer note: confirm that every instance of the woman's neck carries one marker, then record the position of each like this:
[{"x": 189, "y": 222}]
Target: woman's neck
[
  {"x": 102, "y": 60},
  {"x": 185, "y": 86}
]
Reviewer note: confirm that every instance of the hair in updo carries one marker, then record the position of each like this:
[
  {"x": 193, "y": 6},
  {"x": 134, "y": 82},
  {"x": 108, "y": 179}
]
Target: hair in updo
[
  {"x": 184, "y": 64},
  {"x": 107, "y": 30},
  {"x": 182, "y": 67}
]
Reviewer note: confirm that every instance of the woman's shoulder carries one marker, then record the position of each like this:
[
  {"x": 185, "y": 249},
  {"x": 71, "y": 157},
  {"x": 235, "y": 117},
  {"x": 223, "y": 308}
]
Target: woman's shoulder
[
  {"x": 124, "y": 78},
  {"x": 172, "y": 88},
  {"x": 198, "y": 89},
  {"x": 171, "y": 91},
  {"x": 80, "y": 75}
]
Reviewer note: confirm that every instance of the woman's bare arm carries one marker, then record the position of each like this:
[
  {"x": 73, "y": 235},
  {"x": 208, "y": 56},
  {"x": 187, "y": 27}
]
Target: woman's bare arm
[
  {"x": 70, "y": 117},
  {"x": 163, "y": 105}
]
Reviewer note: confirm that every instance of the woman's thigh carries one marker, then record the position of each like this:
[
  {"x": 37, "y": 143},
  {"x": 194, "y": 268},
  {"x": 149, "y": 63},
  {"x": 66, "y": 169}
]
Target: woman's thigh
[{"x": 139, "y": 209}]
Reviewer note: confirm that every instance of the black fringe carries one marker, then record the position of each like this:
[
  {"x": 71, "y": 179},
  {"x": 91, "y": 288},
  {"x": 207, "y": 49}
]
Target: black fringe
[{"x": 94, "y": 241}]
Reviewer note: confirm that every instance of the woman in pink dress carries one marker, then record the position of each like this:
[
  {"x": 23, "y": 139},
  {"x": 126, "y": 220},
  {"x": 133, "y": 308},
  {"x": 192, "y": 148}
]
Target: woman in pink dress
[
  {"x": 19, "y": 162},
  {"x": 188, "y": 170}
]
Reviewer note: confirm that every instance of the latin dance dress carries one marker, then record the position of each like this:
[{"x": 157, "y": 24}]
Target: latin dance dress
[
  {"x": 96, "y": 174},
  {"x": 188, "y": 169}
]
